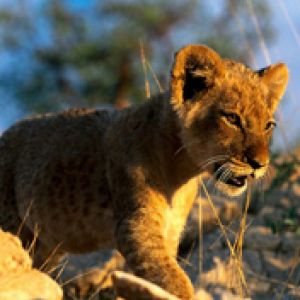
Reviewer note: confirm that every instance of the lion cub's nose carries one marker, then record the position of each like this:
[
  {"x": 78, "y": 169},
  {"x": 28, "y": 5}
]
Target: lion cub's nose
[
  {"x": 257, "y": 155},
  {"x": 256, "y": 163}
]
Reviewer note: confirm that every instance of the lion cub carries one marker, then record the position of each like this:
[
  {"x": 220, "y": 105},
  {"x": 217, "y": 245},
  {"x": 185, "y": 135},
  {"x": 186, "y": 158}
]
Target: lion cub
[{"x": 89, "y": 179}]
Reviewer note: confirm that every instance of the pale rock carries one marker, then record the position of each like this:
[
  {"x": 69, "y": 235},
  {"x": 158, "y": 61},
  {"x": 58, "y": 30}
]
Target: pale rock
[
  {"x": 18, "y": 281},
  {"x": 29, "y": 285},
  {"x": 13, "y": 258},
  {"x": 222, "y": 294},
  {"x": 258, "y": 286},
  {"x": 201, "y": 294}
]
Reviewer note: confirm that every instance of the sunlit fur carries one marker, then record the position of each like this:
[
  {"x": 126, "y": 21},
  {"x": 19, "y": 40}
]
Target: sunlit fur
[
  {"x": 232, "y": 89},
  {"x": 92, "y": 179}
]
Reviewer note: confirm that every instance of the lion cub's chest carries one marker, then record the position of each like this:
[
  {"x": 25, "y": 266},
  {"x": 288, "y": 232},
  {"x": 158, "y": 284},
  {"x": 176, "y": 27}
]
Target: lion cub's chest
[{"x": 179, "y": 208}]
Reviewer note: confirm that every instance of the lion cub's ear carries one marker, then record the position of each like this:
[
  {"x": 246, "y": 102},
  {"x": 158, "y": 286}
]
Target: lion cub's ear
[
  {"x": 275, "y": 77},
  {"x": 195, "y": 69}
]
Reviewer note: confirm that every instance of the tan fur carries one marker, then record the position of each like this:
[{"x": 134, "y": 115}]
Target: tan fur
[{"x": 91, "y": 179}]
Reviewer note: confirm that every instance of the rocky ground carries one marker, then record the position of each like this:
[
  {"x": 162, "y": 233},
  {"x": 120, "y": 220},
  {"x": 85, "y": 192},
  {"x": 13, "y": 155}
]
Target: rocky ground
[
  {"x": 266, "y": 265},
  {"x": 270, "y": 251}
]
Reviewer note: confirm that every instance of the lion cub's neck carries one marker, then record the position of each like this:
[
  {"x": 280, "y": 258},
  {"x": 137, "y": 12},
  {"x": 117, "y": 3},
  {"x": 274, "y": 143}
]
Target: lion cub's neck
[{"x": 175, "y": 163}]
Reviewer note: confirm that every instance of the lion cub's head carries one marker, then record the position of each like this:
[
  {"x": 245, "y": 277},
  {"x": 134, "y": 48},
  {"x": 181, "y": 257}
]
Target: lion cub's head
[{"x": 226, "y": 114}]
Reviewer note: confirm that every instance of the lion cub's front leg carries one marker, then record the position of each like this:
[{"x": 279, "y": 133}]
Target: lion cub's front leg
[
  {"x": 140, "y": 212},
  {"x": 141, "y": 242}
]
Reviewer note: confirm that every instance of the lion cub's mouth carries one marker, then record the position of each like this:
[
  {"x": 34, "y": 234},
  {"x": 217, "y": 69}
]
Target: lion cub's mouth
[
  {"x": 232, "y": 185},
  {"x": 238, "y": 181}
]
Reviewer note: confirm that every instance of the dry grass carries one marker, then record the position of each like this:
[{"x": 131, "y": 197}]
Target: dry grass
[
  {"x": 234, "y": 273},
  {"x": 144, "y": 64}
]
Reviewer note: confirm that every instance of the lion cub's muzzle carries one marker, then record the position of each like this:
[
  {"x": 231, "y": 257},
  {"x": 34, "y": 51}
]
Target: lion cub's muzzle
[
  {"x": 232, "y": 176},
  {"x": 259, "y": 167}
]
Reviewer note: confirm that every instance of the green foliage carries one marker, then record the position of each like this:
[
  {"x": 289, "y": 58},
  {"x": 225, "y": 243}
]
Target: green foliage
[
  {"x": 69, "y": 56},
  {"x": 288, "y": 222},
  {"x": 284, "y": 170}
]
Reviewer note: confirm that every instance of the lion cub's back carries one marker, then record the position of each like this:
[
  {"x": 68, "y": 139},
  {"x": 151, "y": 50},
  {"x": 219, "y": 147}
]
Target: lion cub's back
[
  {"x": 59, "y": 169},
  {"x": 65, "y": 134}
]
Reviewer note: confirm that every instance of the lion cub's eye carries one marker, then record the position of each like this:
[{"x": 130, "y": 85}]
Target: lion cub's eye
[
  {"x": 232, "y": 119},
  {"x": 270, "y": 125}
]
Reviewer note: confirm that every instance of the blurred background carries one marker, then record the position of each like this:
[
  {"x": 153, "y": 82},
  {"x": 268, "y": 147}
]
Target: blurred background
[{"x": 63, "y": 53}]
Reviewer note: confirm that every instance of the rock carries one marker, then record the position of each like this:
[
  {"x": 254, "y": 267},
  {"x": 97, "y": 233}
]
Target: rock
[
  {"x": 252, "y": 261},
  {"x": 17, "y": 278},
  {"x": 225, "y": 274},
  {"x": 290, "y": 242},
  {"x": 28, "y": 285},
  {"x": 293, "y": 294},
  {"x": 92, "y": 280},
  {"x": 258, "y": 286},
  {"x": 276, "y": 266},
  {"x": 296, "y": 189},
  {"x": 130, "y": 287},
  {"x": 271, "y": 214},
  {"x": 222, "y": 294},
  {"x": 284, "y": 202},
  {"x": 282, "y": 267},
  {"x": 261, "y": 238},
  {"x": 13, "y": 258},
  {"x": 201, "y": 294}
]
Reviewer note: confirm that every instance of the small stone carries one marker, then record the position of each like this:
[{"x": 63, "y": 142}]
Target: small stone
[
  {"x": 252, "y": 260},
  {"x": 293, "y": 294},
  {"x": 276, "y": 266},
  {"x": 258, "y": 286},
  {"x": 290, "y": 242},
  {"x": 201, "y": 294},
  {"x": 261, "y": 238},
  {"x": 223, "y": 294},
  {"x": 285, "y": 202},
  {"x": 296, "y": 189},
  {"x": 271, "y": 214}
]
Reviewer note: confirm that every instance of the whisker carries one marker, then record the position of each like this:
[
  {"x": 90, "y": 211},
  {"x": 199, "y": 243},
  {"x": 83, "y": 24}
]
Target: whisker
[
  {"x": 226, "y": 172},
  {"x": 214, "y": 159},
  {"x": 218, "y": 171},
  {"x": 225, "y": 175},
  {"x": 184, "y": 146},
  {"x": 211, "y": 160}
]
